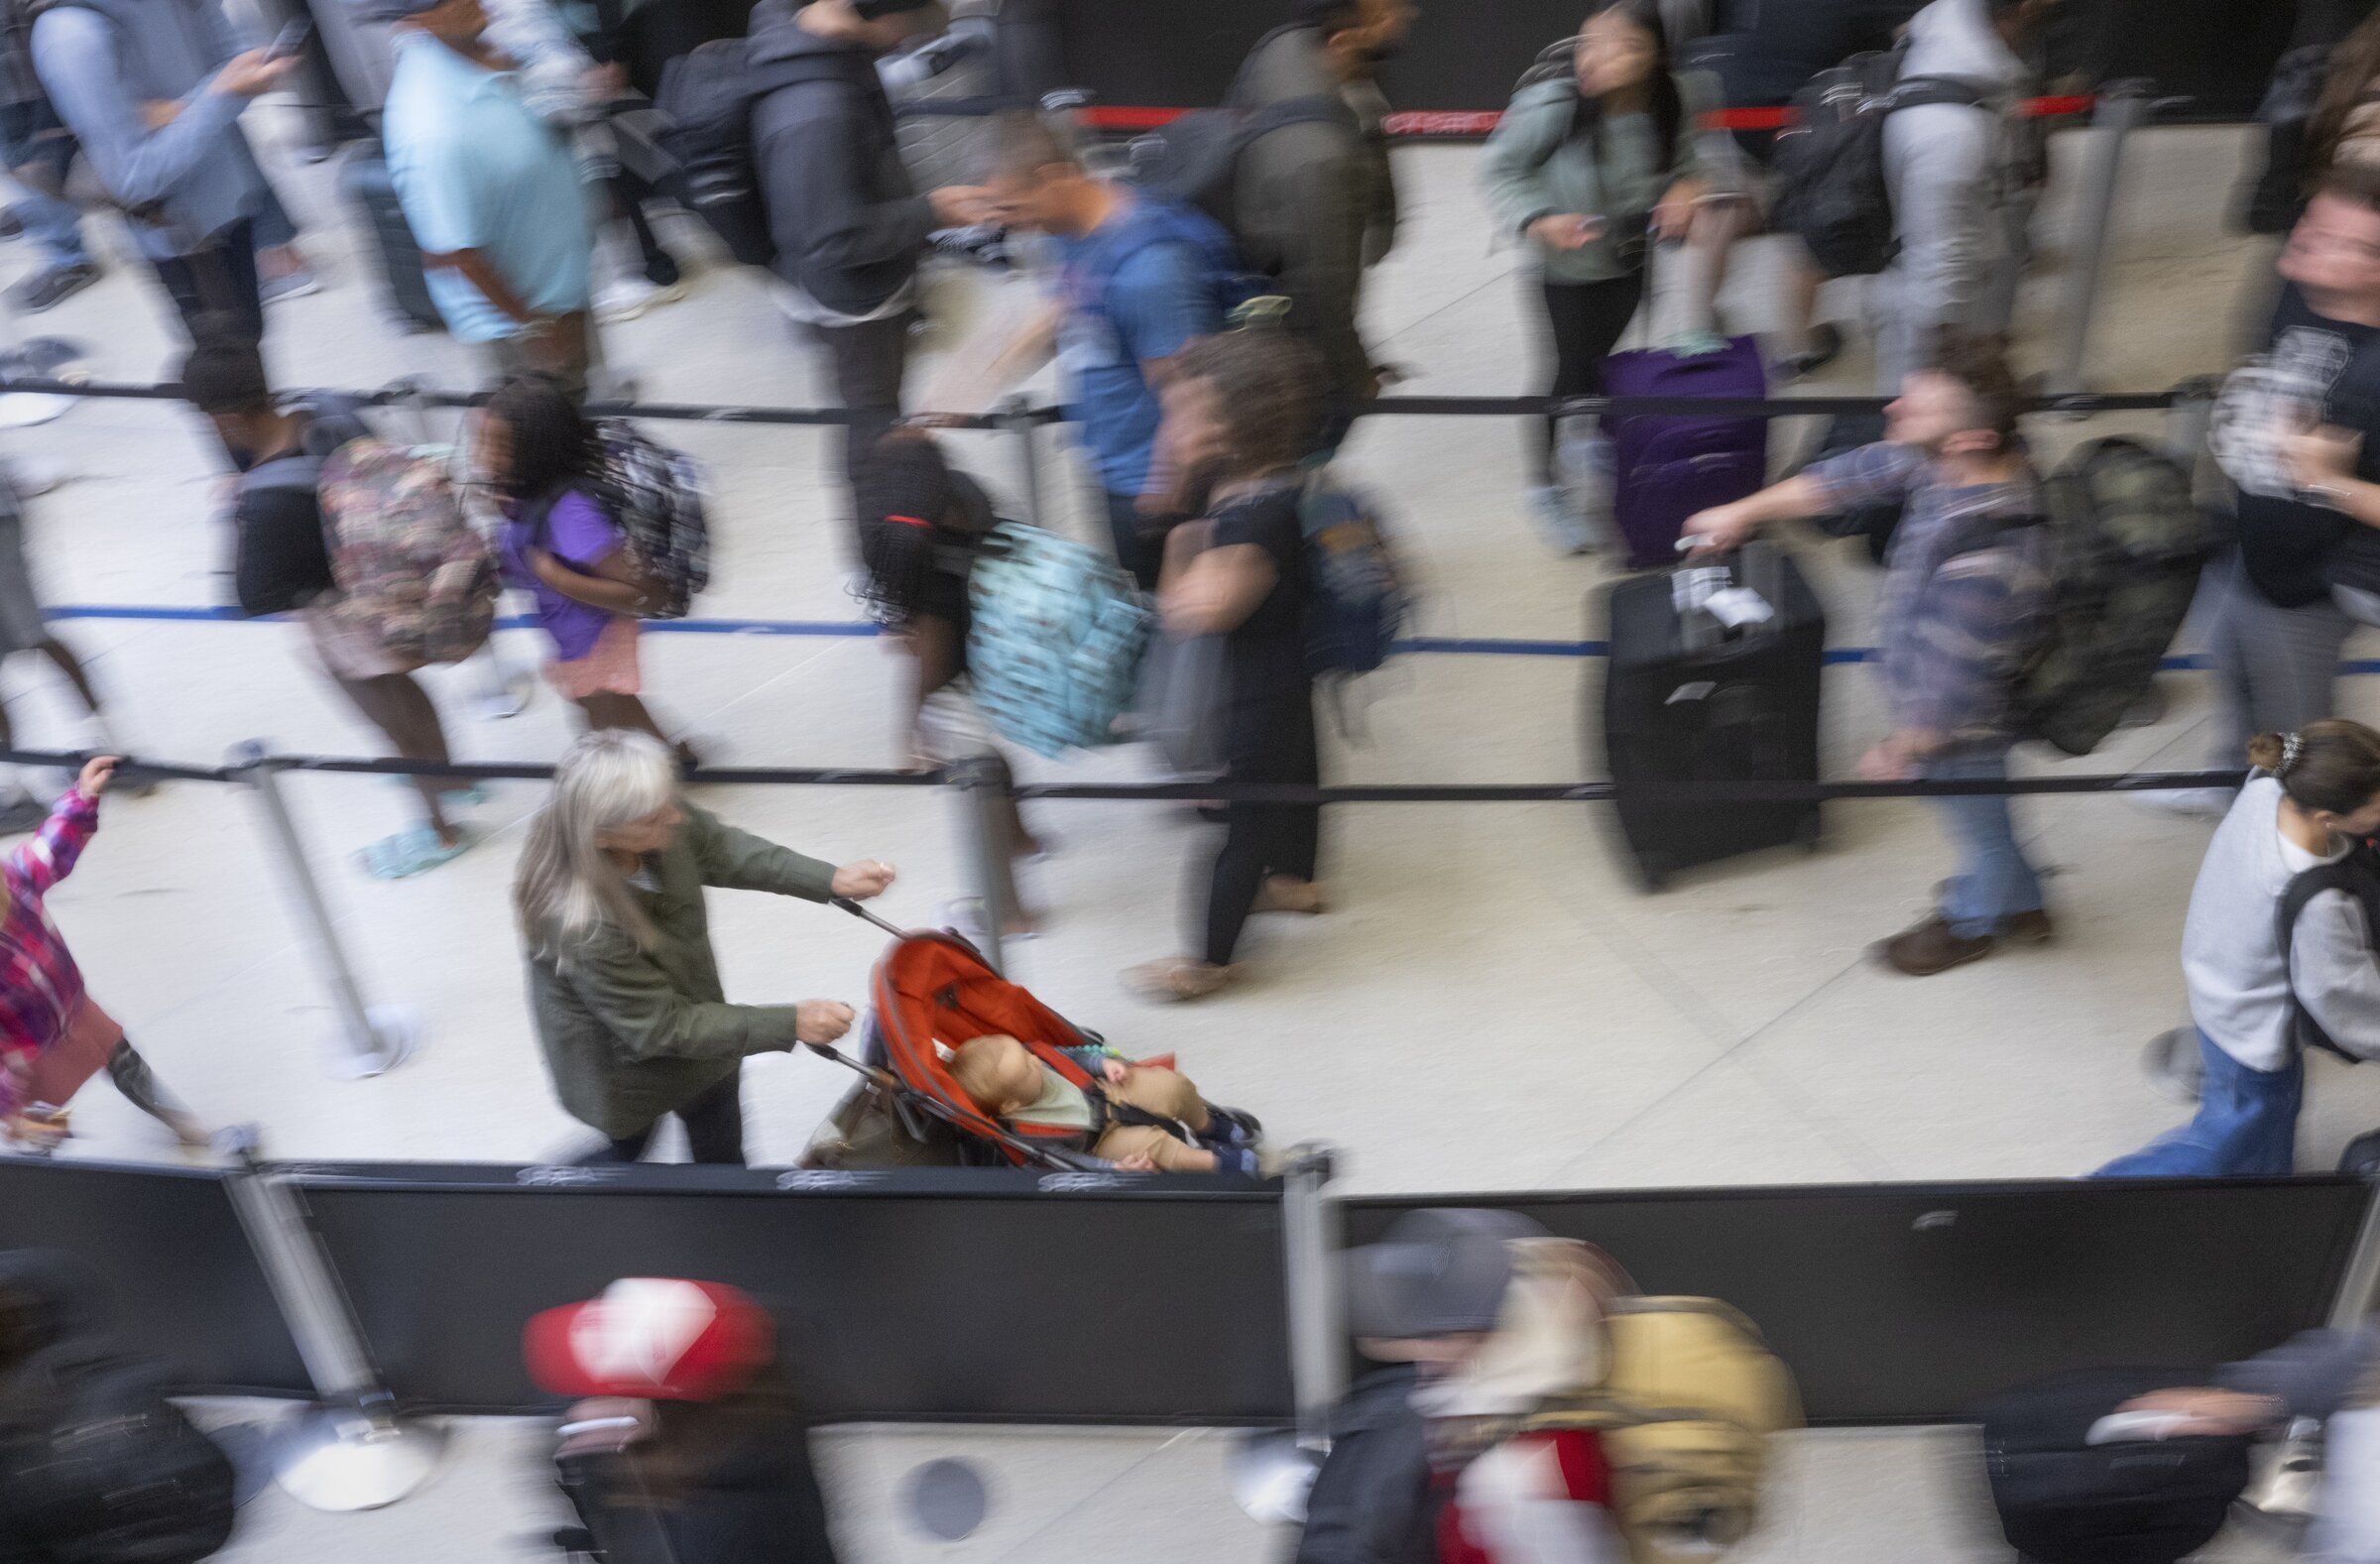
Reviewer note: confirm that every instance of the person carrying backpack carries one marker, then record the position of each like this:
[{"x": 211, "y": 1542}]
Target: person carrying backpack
[
  {"x": 923, "y": 526},
  {"x": 1139, "y": 277},
  {"x": 1314, "y": 203},
  {"x": 1241, "y": 411},
  {"x": 1944, "y": 163},
  {"x": 846, "y": 225},
  {"x": 2273, "y": 964},
  {"x": 1966, "y": 598},
  {"x": 1591, "y": 167},
  {"x": 282, "y": 563},
  {"x": 563, "y": 543}
]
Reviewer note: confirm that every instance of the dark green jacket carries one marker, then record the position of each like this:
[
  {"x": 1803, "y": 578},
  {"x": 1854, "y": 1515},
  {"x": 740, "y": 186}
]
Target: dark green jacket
[{"x": 631, "y": 1034}]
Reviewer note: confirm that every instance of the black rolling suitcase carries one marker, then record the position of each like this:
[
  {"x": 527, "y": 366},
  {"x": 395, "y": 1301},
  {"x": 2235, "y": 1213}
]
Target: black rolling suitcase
[
  {"x": 365, "y": 179},
  {"x": 2061, "y": 1500},
  {"x": 1689, "y": 701}
]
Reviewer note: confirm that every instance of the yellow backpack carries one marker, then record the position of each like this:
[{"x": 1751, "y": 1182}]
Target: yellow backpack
[{"x": 1692, "y": 1396}]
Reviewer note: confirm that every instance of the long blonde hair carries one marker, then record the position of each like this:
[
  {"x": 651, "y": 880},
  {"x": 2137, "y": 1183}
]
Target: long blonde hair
[{"x": 567, "y": 888}]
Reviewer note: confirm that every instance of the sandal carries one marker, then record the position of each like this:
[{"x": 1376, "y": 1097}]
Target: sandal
[
  {"x": 1177, "y": 980},
  {"x": 410, "y": 852},
  {"x": 462, "y": 795},
  {"x": 1282, "y": 893}
]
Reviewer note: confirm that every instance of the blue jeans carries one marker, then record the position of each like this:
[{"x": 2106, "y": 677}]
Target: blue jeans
[
  {"x": 1994, "y": 883},
  {"x": 54, "y": 226},
  {"x": 2248, "y": 1124}
]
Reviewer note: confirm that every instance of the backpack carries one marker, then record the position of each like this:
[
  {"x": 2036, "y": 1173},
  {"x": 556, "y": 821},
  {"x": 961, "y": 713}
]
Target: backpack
[
  {"x": 2358, "y": 875},
  {"x": 705, "y": 99},
  {"x": 115, "y": 1474},
  {"x": 2275, "y": 198},
  {"x": 1158, "y": 219},
  {"x": 660, "y": 514},
  {"x": 1686, "y": 1409},
  {"x": 1196, "y": 159},
  {"x": 2129, "y": 542},
  {"x": 1360, "y": 598},
  {"x": 1829, "y": 161},
  {"x": 1055, "y": 639},
  {"x": 334, "y": 419},
  {"x": 412, "y": 572}
]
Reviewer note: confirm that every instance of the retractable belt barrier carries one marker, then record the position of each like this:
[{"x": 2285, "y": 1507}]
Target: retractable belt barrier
[{"x": 1125, "y": 1298}]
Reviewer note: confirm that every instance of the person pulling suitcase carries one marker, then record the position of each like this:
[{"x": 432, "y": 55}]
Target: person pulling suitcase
[{"x": 1967, "y": 590}]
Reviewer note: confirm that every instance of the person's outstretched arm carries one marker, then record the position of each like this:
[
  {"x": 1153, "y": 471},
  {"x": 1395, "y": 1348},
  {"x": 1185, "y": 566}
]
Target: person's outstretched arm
[
  {"x": 1877, "y": 474},
  {"x": 50, "y": 854},
  {"x": 74, "y": 55},
  {"x": 736, "y": 860},
  {"x": 652, "y": 1020}
]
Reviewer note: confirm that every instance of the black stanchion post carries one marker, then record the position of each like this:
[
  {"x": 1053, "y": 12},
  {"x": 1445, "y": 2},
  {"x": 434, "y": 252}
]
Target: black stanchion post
[
  {"x": 376, "y": 1038},
  {"x": 1015, "y": 415},
  {"x": 980, "y": 786},
  {"x": 2122, "y": 106},
  {"x": 349, "y": 1448}
]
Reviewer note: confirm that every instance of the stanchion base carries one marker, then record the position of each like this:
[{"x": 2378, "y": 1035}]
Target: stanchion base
[
  {"x": 397, "y": 1032},
  {"x": 1271, "y": 1476},
  {"x": 340, "y": 1458}
]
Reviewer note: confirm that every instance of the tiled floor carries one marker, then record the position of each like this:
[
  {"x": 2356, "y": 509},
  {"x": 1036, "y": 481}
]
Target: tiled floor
[{"x": 1490, "y": 1003}]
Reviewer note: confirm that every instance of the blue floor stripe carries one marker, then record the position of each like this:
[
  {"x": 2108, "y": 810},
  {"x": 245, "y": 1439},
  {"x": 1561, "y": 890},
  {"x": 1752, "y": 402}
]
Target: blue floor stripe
[{"x": 858, "y": 628}]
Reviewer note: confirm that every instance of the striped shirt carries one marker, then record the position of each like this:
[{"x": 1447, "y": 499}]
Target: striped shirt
[
  {"x": 42, "y": 988},
  {"x": 1967, "y": 594}
]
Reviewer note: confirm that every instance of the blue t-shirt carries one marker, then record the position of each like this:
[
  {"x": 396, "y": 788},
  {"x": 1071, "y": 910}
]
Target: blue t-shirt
[
  {"x": 476, "y": 169},
  {"x": 1130, "y": 299}
]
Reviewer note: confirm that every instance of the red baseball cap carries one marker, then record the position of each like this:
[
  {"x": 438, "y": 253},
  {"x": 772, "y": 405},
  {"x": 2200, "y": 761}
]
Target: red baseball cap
[{"x": 652, "y": 1339}]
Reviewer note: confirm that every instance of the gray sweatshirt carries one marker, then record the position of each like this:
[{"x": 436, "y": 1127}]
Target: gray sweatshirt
[
  {"x": 101, "y": 61},
  {"x": 2239, "y": 986}
]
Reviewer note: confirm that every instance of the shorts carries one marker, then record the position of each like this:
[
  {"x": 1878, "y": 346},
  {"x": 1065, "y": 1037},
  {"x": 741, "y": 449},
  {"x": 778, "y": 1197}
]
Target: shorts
[
  {"x": 349, "y": 653},
  {"x": 21, "y": 626},
  {"x": 608, "y": 669},
  {"x": 81, "y": 1052}
]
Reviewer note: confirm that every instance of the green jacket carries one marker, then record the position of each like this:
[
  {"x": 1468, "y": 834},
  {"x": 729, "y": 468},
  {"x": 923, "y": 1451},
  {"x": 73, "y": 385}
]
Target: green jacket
[
  {"x": 631, "y": 1034},
  {"x": 1534, "y": 167}
]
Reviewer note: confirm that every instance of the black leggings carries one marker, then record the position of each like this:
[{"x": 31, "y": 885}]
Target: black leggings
[
  {"x": 1262, "y": 840},
  {"x": 1588, "y": 320},
  {"x": 714, "y": 1124}
]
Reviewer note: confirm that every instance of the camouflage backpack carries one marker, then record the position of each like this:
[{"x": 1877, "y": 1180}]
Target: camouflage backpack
[
  {"x": 413, "y": 574},
  {"x": 2129, "y": 542}
]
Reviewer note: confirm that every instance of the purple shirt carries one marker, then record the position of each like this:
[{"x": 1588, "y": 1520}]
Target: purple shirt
[{"x": 580, "y": 536}]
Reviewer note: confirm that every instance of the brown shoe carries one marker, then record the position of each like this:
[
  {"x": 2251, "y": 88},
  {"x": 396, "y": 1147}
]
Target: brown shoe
[
  {"x": 1929, "y": 948},
  {"x": 1280, "y": 893},
  {"x": 2028, "y": 929}
]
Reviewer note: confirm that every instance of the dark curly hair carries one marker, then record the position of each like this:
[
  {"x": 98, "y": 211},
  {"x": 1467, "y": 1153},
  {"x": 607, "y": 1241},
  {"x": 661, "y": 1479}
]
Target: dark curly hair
[
  {"x": 553, "y": 444},
  {"x": 1268, "y": 387},
  {"x": 917, "y": 515}
]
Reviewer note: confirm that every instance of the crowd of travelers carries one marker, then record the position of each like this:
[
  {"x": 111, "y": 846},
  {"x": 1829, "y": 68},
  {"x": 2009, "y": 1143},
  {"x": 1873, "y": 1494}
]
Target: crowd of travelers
[{"x": 1202, "y": 303}]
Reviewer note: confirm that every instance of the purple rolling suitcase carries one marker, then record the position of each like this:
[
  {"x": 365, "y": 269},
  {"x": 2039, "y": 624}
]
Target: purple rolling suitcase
[{"x": 1667, "y": 466}]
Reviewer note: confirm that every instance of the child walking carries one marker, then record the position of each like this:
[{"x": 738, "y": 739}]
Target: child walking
[
  {"x": 562, "y": 544},
  {"x": 52, "y": 1037}
]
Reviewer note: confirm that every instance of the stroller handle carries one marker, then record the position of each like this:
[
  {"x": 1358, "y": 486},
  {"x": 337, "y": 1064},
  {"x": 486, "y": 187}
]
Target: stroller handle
[{"x": 847, "y": 904}]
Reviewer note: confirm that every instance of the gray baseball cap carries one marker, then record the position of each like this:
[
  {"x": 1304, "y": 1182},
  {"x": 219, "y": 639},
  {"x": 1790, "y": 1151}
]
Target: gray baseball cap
[{"x": 1436, "y": 1272}]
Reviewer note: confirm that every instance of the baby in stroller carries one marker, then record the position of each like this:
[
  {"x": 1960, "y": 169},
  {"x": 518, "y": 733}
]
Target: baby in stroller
[{"x": 1142, "y": 1117}]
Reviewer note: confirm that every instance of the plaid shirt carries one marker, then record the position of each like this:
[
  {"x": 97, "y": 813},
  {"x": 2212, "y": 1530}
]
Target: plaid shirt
[
  {"x": 43, "y": 986},
  {"x": 1966, "y": 596}
]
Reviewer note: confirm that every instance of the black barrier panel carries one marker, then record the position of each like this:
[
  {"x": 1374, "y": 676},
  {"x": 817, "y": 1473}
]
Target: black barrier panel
[
  {"x": 909, "y": 1297},
  {"x": 1907, "y": 1303},
  {"x": 1465, "y": 55},
  {"x": 182, "y": 1283}
]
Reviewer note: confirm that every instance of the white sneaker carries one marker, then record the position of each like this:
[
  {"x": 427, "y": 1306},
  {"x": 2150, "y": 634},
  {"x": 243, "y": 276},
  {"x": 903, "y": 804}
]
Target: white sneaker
[
  {"x": 631, "y": 296},
  {"x": 2206, "y": 804},
  {"x": 1558, "y": 522}
]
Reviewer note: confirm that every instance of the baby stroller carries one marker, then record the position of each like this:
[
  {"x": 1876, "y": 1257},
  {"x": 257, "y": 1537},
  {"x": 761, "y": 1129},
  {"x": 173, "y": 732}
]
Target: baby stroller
[{"x": 932, "y": 992}]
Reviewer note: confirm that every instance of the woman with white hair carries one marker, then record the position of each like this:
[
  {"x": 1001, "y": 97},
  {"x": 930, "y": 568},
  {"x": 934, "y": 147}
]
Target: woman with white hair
[{"x": 622, "y": 979}]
